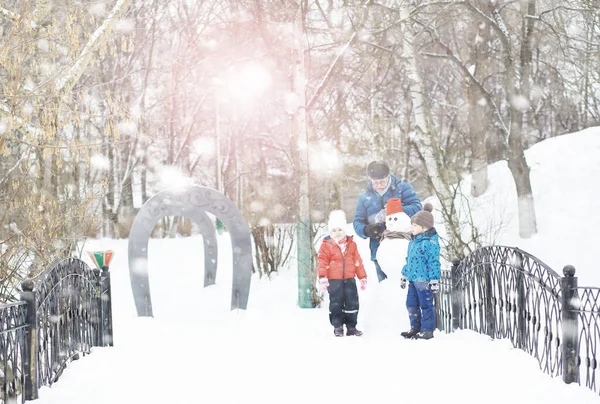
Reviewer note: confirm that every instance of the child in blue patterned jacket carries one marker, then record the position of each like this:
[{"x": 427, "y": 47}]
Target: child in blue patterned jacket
[{"x": 422, "y": 273}]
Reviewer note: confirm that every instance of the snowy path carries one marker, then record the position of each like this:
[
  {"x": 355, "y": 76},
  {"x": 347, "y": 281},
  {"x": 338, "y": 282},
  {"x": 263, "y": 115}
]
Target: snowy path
[{"x": 195, "y": 350}]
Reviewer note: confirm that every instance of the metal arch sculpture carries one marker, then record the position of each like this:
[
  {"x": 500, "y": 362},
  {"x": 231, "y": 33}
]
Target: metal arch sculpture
[
  {"x": 170, "y": 203},
  {"x": 192, "y": 202}
]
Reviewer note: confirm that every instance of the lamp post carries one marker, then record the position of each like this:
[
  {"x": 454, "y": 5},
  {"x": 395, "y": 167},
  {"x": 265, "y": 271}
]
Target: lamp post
[
  {"x": 104, "y": 296},
  {"x": 300, "y": 148}
]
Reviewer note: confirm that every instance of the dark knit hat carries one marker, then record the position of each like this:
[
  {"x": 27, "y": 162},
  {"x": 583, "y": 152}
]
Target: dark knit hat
[
  {"x": 424, "y": 218},
  {"x": 378, "y": 170}
]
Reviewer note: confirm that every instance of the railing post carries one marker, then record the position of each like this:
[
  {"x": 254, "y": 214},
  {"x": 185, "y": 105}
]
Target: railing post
[
  {"x": 98, "y": 302},
  {"x": 106, "y": 298},
  {"x": 30, "y": 362},
  {"x": 570, "y": 325},
  {"x": 521, "y": 304},
  {"x": 455, "y": 294},
  {"x": 437, "y": 306},
  {"x": 490, "y": 313}
]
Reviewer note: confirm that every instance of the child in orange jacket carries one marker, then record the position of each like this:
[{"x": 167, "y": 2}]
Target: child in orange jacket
[{"x": 339, "y": 264}]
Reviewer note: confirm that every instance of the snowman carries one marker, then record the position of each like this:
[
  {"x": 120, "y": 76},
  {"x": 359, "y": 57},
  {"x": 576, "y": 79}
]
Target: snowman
[
  {"x": 393, "y": 249},
  {"x": 396, "y": 221}
]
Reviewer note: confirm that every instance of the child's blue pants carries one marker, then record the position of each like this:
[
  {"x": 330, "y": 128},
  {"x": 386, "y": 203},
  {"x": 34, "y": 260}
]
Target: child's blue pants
[{"x": 419, "y": 302}]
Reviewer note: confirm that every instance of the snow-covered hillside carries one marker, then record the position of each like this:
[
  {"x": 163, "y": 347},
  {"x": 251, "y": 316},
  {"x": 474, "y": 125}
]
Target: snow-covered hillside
[{"x": 565, "y": 177}]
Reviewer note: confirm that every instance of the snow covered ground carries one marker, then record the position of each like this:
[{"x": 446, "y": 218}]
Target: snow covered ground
[{"x": 196, "y": 350}]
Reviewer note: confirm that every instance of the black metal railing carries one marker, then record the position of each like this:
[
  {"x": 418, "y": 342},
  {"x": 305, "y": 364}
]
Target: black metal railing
[
  {"x": 13, "y": 324},
  {"x": 62, "y": 314},
  {"x": 443, "y": 303},
  {"x": 505, "y": 292},
  {"x": 586, "y": 310}
]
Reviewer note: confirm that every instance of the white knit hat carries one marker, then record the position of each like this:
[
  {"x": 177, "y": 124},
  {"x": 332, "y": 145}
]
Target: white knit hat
[{"x": 337, "y": 219}]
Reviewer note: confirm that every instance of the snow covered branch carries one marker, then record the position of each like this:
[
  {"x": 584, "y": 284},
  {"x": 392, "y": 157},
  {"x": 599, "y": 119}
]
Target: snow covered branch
[
  {"x": 496, "y": 23},
  {"x": 72, "y": 75},
  {"x": 382, "y": 48},
  {"x": 328, "y": 74},
  {"x": 29, "y": 127},
  {"x": 36, "y": 132},
  {"x": 14, "y": 17},
  {"x": 341, "y": 53},
  {"x": 10, "y": 170},
  {"x": 451, "y": 56}
]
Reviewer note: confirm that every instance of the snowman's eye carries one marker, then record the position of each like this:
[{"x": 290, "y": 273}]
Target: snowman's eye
[{"x": 395, "y": 219}]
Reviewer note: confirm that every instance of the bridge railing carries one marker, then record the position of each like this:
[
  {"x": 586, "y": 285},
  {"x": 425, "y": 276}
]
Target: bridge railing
[
  {"x": 62, "y": 314},
  {"x": 505, "y": 292},
  {"x": 13, "y": 326}
]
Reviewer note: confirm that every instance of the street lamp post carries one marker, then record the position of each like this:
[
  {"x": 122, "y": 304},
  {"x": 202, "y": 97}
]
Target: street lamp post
[{"x": 300, "y": 146}]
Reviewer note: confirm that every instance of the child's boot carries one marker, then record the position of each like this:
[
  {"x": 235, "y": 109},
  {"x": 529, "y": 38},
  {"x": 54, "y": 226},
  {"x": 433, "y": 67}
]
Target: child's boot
[
  {"x": 338, "y": 331},
  {"x": 410, "y": 334},
  {"x": 424, "y": 335},
  {"x": 354, "y": 331}
]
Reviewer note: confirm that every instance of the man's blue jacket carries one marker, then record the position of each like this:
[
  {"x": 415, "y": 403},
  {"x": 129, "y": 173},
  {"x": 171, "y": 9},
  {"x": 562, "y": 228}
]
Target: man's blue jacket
[{"x": 370, "y": 203}]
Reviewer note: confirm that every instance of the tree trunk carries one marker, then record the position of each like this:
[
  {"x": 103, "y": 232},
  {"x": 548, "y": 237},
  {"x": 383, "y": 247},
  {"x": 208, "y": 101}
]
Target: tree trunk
[
  {"x": 477, "y": 132},
  {"x": 518, "y": 100},
  {"x": 516, "y": 154},
  {"x": 144, "y": 177},
  {"x": 478, "y": 119},
  {"x": 405, "y": 144},
  {"x": 427, "y": 139},
  {"x": 54, "y": 174},
  {"x": 336, "y": 201},
  {"x": 110, "y": 199}
]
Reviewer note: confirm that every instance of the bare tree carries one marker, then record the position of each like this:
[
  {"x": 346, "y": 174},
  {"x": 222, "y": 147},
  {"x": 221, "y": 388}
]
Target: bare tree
[{"x": 49, "y": 132}]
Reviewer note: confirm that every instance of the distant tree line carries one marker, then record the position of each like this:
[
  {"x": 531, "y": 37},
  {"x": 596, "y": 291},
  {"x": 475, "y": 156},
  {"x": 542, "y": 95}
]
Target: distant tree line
[{"x": 103, "y": 106}]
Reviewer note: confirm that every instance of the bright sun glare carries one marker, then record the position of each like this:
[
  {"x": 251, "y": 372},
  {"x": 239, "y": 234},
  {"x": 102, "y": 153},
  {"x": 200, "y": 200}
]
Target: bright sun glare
[{"x": 248, "y": 82}]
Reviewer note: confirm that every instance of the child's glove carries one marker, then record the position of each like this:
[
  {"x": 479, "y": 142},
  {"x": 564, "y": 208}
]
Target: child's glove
[
  {"x": 403, "y": 281},
  {"x": 363, "y": 283},
  {"x": 434, "y": 285},
  {"x": 324, "y": 282}
]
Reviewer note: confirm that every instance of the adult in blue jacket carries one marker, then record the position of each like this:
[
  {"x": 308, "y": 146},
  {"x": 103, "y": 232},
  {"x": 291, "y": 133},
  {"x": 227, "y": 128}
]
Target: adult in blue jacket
[{"x": 369, "y": 217}]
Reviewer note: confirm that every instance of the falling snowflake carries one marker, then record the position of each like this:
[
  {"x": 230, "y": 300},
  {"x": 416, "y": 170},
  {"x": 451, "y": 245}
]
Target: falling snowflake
[
  {"x": 127, "y": 128},
  {"x": 125, "y": 26},
  {"x": 98, "y": 9},
  {"x": 278, "y": 210},
  {"x": 291, "y": 102},
  {"x": 172, "y": 177},
  {"x": 139, "y": 265},
  {"x": 100, "y": 162},
  {"x": 43, "y": 45},
  {"x": 264, "y": 221},
  {"x": 257, "y": 206},
  {"x": 520, "y": 102},
  {"x": 204, "y": 146}
]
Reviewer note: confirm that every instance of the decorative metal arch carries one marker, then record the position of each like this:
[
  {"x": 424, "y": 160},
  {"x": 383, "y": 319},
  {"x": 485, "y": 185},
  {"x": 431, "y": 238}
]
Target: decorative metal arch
[{"x": 192, "y": 202}]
